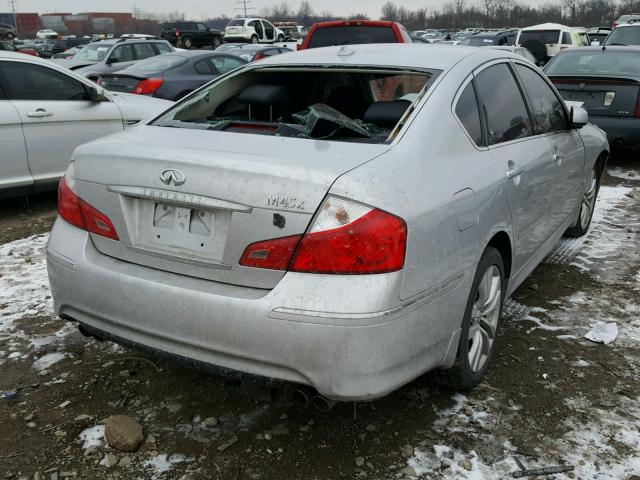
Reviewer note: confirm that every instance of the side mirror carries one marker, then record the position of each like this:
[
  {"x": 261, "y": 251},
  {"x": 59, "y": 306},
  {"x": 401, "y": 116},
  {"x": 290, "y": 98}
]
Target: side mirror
[
  {"x": 578, "y": 117},
  {"x": 112, "y": 59},
  {"x": 96, "y": 94}
]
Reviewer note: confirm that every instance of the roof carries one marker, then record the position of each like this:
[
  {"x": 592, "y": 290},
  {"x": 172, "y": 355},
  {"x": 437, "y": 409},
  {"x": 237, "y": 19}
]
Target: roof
[
  {"x": 398, "y": 55},
  {"x": 548, "y": 26},
  {"x": 626, "y": 25},
  {"x": 354, "y": 23}
]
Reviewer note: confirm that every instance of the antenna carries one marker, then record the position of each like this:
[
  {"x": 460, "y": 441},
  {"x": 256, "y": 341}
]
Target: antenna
[
  {"x": 13, "y": 5},
  {"x": 244, "y": 6}
]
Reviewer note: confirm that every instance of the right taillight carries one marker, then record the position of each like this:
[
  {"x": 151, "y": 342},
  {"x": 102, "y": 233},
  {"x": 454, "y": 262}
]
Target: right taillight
[
  {"x": 345, "y": 238},
  {"x": 148, "y": 86},
  {"x": 79, "y": 213}
]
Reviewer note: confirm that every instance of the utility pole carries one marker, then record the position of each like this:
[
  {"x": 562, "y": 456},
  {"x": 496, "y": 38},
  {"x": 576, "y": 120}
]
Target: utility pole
[
  {"x": 13, "y": 5},
  {"x": 244, "y": 6},
  {"x": 135, "y": 10}
]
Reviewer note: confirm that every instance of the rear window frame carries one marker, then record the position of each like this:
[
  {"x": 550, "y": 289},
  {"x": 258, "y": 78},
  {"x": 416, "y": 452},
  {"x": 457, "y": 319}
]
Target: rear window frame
[{"x": 332, "y": 29}]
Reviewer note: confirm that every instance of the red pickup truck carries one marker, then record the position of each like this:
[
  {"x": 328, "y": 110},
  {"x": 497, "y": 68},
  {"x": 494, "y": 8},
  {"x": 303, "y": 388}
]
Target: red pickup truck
[{"x": 350, "y": 32}]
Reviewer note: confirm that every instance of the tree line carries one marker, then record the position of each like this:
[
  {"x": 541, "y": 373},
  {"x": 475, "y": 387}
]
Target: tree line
[{"x": 455, "y": 14}]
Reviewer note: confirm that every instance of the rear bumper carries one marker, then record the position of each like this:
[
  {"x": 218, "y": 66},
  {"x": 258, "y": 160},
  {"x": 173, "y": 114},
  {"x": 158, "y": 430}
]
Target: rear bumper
[
  {"x": 345, "y": 356},
  {"x": 622, "y": 132}
]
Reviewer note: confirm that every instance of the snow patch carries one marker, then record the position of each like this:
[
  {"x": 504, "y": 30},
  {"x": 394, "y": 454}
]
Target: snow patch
[
  {"x": 92, "y": 437},
  {"x": 161, "y": 463},
  {"x": 48, "y": 360}
]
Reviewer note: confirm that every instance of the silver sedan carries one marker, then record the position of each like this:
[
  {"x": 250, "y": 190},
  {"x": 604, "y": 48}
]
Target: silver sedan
[{"x": 345, "y": 218}]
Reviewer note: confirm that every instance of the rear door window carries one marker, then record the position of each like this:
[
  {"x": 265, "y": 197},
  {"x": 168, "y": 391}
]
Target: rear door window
[
  {"x": 503, "y": 105},
  {"x": 566, "y": 38},
  {"x": 143, "y": 50},
  {"x": 548, "y": 113},
  {"x": 163, "y": 48},
  {"x": 468, "y": 113},
  {"x": 123, "y": 53},
  {"x": 357, "y": 34},
  {"x": 24, "y": 81}
]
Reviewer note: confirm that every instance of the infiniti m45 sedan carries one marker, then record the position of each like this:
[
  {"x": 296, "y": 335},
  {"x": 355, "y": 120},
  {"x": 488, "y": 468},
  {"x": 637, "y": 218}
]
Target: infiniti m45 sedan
[{"x": 345, "y": 218}]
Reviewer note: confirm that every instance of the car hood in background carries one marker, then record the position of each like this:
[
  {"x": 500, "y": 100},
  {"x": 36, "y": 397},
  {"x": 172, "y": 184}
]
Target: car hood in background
[{"x": 73, "y": 64}]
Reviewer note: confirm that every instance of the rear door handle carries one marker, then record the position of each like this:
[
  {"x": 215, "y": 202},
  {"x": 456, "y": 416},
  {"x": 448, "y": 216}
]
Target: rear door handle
[
  {"x": 39, "y": 113},
  {"x": 514, "y": 172}
]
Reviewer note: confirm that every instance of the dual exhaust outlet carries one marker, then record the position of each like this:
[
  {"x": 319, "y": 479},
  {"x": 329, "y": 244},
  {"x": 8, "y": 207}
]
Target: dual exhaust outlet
[{"x": 306, "y": 396}]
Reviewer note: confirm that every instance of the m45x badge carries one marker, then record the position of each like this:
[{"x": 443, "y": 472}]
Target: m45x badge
[{"x": 292, "y": 203}]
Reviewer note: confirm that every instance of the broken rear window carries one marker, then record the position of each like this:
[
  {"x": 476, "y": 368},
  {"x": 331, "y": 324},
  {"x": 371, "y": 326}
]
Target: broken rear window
[{"x": 345, "y": 104}]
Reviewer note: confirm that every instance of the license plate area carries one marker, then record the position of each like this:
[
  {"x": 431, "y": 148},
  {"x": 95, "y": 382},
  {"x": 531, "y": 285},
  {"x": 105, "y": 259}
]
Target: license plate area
[{"x": 182, "y": 231}]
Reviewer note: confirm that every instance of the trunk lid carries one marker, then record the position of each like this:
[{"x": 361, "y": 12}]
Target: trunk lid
[
  {"x": 125, "y": 83},
  {"x": 613, "y": 96},
  {"x": 223, "y": 191}
]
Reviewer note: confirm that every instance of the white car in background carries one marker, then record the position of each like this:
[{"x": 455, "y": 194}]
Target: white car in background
[
  {"x": 253, "y": 30},
  {"x": 546, "y": 40},
  {"x": 44, "y": 34},
  {"x": 46, "y": 111}
]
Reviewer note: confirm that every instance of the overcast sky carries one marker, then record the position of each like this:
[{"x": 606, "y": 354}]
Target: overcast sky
[{"x": 198, "y": 9}]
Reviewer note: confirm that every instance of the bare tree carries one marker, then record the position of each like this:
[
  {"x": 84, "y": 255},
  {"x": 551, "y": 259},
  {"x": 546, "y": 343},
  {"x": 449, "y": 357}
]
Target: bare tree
[
  {"x": 572, "y": 7},
  {"x": 390, "y": 12},
  {"x": 305, "y": 12}
]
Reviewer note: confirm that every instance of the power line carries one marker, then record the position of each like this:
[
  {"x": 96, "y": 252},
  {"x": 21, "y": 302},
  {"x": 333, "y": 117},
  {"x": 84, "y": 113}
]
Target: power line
[{"x": 244, "y": 6}]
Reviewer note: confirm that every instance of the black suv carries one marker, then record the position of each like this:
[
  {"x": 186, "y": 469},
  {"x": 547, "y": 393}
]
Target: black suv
[
  {"x": 190, "y": 34},
  {"x": 7, "y": 31}
]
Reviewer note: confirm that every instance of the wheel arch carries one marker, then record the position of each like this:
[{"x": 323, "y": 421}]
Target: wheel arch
[{"x": 502, "y": 242}]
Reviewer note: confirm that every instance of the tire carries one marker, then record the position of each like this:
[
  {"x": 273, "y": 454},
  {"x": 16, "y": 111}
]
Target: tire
[
  {"x": 479, "y": 331},
  {"x": 587, "y": 205},
  {"x": 187, "y": 43},
  {"x": 254, "y": 39},
  {"x": 280, "y": 39},
  {"x": 216, "y": 43},
  {"x": 10, "y": 36}
]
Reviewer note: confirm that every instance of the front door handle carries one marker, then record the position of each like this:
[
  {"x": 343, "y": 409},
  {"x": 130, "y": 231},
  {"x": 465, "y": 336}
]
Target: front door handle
[
  {"x": 557, "y": 157},
  {"x": 514, "y": 171},
  {"x": 39, "y": 113}
]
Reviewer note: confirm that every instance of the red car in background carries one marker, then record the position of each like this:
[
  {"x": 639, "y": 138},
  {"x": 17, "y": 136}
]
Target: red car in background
[
  {"x": 351, "y": 32},
  {"x": 10, "y": 47}
]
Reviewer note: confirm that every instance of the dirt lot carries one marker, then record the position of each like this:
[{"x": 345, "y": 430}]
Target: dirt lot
[{"x": 553, "y": 397}]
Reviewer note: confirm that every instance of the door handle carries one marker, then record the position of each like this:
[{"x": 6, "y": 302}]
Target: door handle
[
  {"x": 514, "y": 171},
  {"x": 39, "y": 113},
  {"x": 557, "y": 157}
]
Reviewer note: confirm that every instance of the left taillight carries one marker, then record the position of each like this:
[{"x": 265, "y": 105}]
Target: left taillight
[
  {"x": 346, "y": 238},
  {"x": 79, "y": 213},
  {"x": 148, "y": 86}
]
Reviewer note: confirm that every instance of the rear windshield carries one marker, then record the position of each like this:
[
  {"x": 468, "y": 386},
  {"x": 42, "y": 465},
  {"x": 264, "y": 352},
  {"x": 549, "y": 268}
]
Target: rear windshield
[
  {"x": 548, "y": 37},
  {"x": 478, "y": 41},
  {"x": 624, "y": 36},
  {"x": 344, "y": 104},
  {"x": 594, "y": 62},
  {"x": 236, "y": 23},
  {"x": 351, "y": 35},
  {"x": 157, "y": 64},
  {"x": 93, "y": 53}
]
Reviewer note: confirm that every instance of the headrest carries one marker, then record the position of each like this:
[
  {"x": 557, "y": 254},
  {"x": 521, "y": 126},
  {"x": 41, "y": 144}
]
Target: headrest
[
  {"x": 386, "y": 114},
  {"x": 264, "y": 95}
]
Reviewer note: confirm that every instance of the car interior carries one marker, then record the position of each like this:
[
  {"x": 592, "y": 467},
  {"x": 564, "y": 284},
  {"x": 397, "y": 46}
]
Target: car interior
[{"x": 349, "y": 105}]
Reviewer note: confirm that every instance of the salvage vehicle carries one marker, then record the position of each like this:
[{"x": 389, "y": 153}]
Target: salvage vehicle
[
  {"x": 607, "y": 81},
  {"x": 625, "y": 19},
  {"x": 353, "y": 32},
  {"x": 171, "y": 76},
  {"x": 190, "y": 34},
  {"x": 284, "y": 222},
  {"x": 625, "y": 35},
  {"x": 252, "y": 30},
  {"x": 491, "y": 38},
  {"x": 250, "y": 52},
  {"x": 46, "y": 112},
  {"x": 546, "y": 40},
  {"x": 107, "y": 56},
  {"x": 7, "y": 32}
]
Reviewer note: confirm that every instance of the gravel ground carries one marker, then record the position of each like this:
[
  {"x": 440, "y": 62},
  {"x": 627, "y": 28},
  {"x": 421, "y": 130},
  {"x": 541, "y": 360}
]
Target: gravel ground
[{"x": 553, "y": 397}]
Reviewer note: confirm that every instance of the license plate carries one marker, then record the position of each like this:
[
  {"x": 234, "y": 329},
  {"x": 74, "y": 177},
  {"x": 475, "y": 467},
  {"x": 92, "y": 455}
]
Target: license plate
[{"x": 189, "y": 229}]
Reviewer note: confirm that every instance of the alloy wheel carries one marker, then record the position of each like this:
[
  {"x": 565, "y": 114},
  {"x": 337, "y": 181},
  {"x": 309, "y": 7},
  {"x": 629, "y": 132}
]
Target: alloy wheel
[
  {"x": 485, "y": 316},
  {"x": 589, "y": 201}
]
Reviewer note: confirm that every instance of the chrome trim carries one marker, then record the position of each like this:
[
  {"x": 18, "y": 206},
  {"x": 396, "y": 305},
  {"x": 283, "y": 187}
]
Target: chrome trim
[
  {"x": 179, "y": 198},
  {"x": 176, "y": 258}
]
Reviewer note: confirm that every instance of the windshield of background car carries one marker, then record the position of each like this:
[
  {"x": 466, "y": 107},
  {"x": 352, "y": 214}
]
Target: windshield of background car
[
  {"x": 157, "y": 64},
  {"x": 351, "y": 35},
  {"x": 594, "y": 62},
  {"x": 93, "y": 53},
  {"x": 624, "y": 36},
  {"x": 478, "y": 41},
  {"x": 340, "y": 103},
  {"x": 548, "y": 37},
  {"x": 235, "y": 23}
]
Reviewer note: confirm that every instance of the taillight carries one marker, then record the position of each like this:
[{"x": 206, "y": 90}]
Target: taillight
[
  {"x": 259, "y": 56},
  {"x": 345, "y": 238},
  {"x": 148, "y": 86},
  {"x": 177, "y": 33},
  {"x": 79, "y": 213},
  {"x": 615, "y": 24}
]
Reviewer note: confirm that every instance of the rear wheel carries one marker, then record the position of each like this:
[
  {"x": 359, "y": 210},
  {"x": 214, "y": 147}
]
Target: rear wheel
[
  {"x": 10, "y": 36},
  {"x": 280, "y": 39},
  {"x": 187, "y": 42},
  {"x": 254, "y": 39},
  {"x": 216, "y": 42},
  {"x": 480, "y": 325},
  {"x": 587, "y": 206}
]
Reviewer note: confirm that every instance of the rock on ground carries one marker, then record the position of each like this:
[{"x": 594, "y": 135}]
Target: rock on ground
[{"x": 123, "y": 433}]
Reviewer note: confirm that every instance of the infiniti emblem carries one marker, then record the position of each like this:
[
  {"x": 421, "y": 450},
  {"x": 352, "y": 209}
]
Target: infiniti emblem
[{"x": 171, "y": 175}]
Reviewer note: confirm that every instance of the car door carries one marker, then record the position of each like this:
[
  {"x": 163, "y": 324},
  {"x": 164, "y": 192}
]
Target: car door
[
  {"x": 202, "y": 34},
  {"x": 56, "y": 115},
  {"x": 565, "y": 145},
  {"x": 522, "y": 158},
  {"x": 269, "y": 31},
  {"x": 257, "y": 26},
  {"x": 121, "y": 57},
  {"x": 14, "y": 169}
]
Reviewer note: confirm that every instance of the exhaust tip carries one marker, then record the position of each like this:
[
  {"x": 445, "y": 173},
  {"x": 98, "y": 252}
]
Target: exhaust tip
[
  {"x": 323, "y": 404},
  {"x": 300, "y": 396}
]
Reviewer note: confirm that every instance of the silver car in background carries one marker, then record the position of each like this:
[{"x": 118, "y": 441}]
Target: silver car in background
[
  {"x": 346, "y": 218},
  {"x": 46, "y": 111}
]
